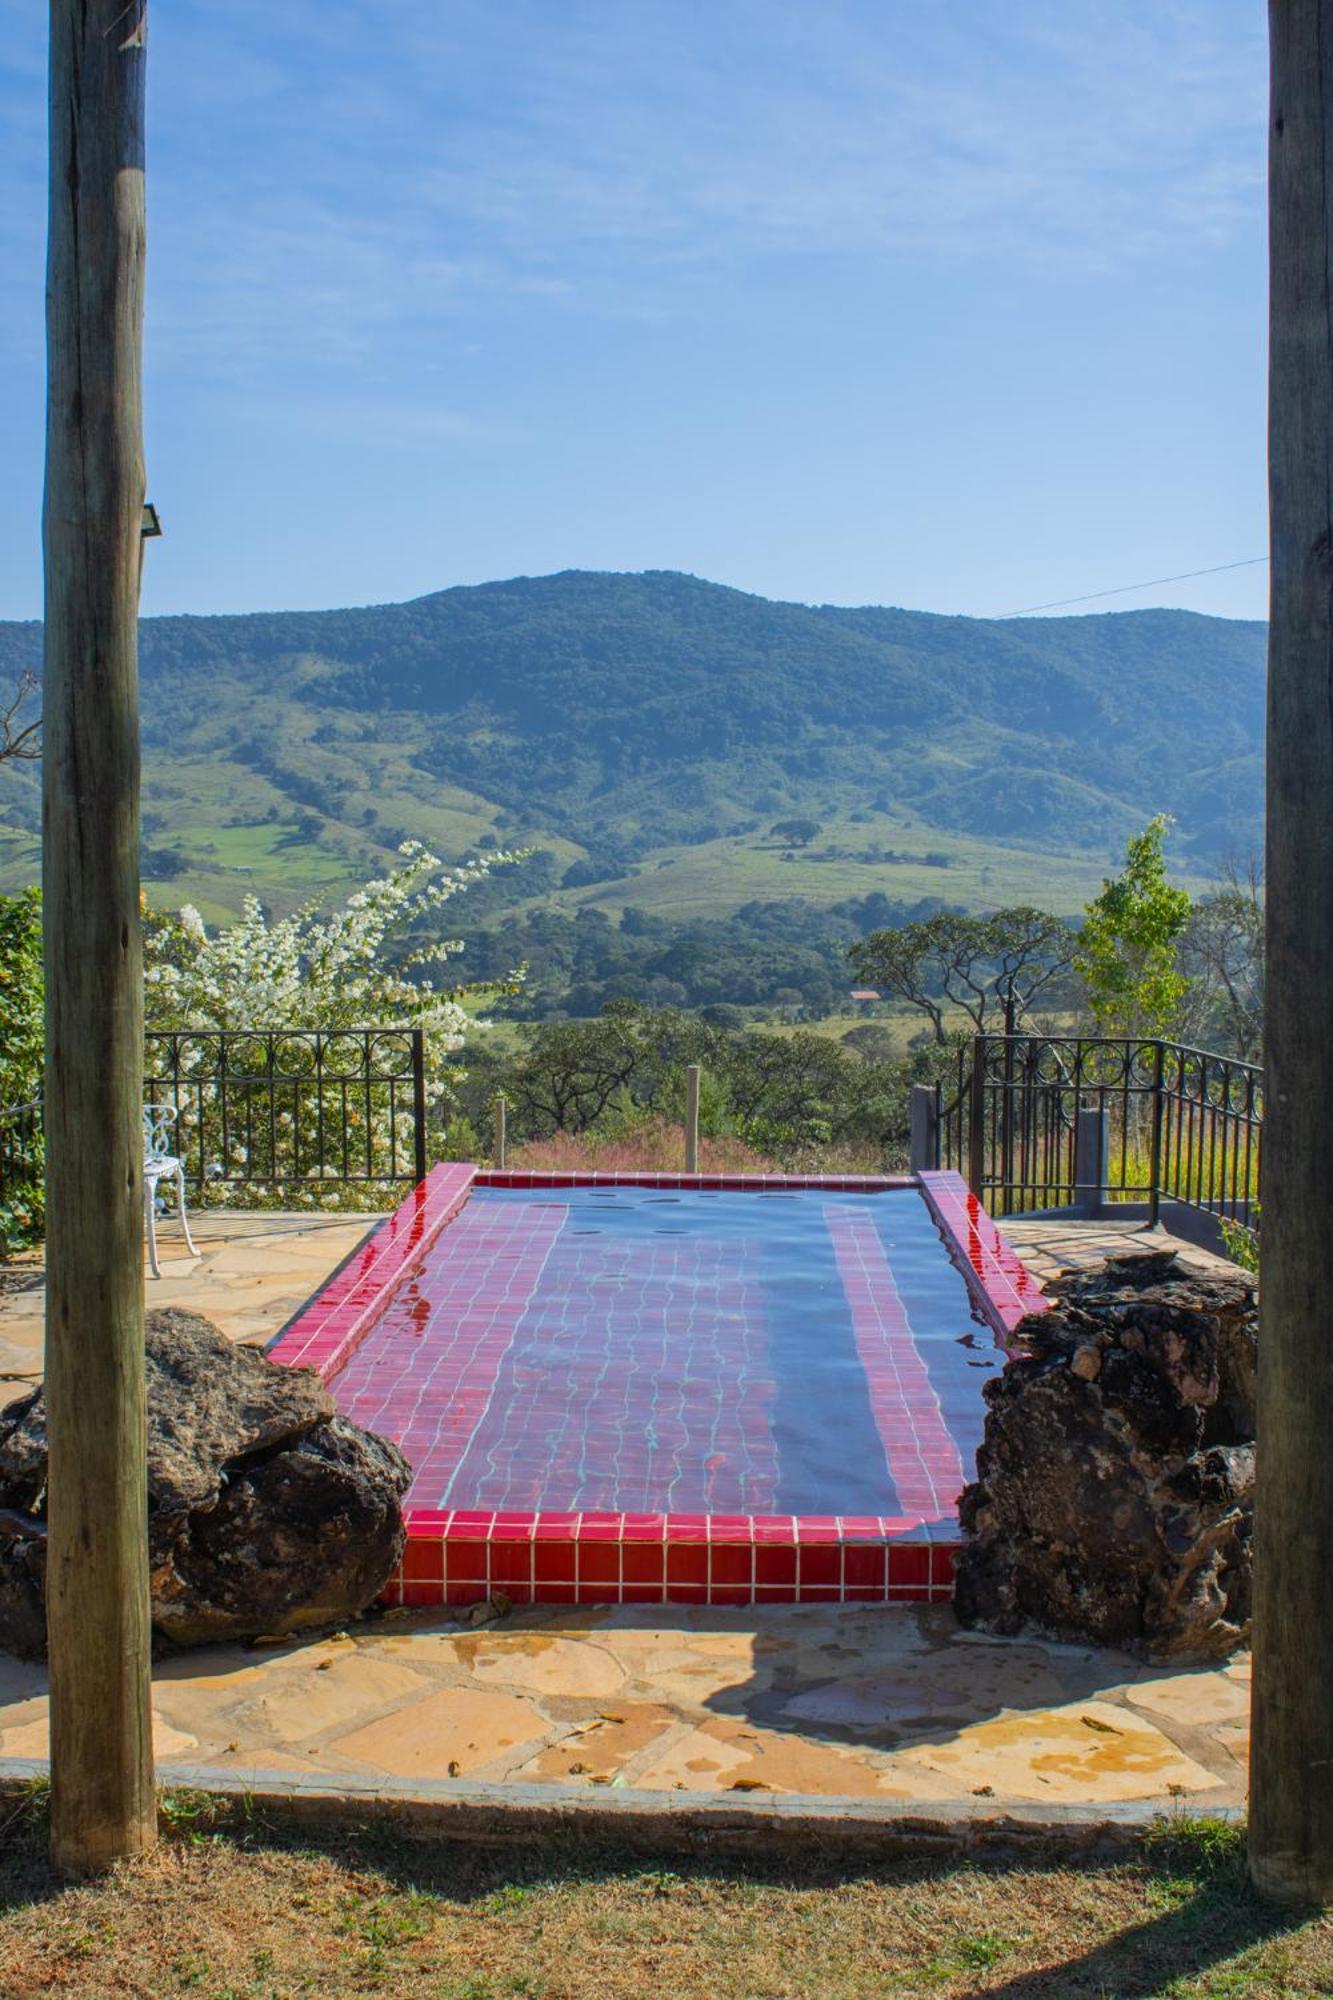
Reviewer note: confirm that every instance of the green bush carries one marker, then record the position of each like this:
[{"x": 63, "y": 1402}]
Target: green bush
[{"x": 21, "y": 1036}]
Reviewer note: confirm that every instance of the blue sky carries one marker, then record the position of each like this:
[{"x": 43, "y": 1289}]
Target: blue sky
[{"x": 942, "y": 303}]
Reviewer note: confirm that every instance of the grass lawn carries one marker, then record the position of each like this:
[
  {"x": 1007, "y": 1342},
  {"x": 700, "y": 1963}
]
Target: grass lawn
[{"x": 229, "y": 1907}]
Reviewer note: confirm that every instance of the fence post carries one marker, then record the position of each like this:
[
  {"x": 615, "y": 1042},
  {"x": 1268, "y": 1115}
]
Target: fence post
[
  {"x": 1155, "y": 1167},
  {"x": 692, "y": 1119},
  {"x": 499, "y": 1146},
  {"x": 1090, "y": 1154},
  {"x": 419, "y": 1101},
  {"x": 976, "y": 1118},
  {"x": 923, "y": 1146}
]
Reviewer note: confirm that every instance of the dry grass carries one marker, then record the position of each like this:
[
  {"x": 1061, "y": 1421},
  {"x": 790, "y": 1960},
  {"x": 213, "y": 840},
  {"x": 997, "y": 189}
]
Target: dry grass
[
  {"x": 655, "y": 1147},
  {"x": 230, "y": 1908}
]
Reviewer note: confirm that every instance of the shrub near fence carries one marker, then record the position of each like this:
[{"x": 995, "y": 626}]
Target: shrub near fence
[{"x": 22, "y": 1159}]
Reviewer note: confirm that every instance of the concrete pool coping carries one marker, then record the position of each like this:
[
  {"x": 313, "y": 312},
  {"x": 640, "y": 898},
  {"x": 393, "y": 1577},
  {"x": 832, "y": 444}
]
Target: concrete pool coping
[
  {"x": 460, "y": 1556},
  {"x": 651, "y": 1823}
]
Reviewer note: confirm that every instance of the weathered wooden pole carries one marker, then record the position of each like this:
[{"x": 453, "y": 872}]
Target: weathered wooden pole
[
  {"x": 102, "y": 1798},
  {"x": 500, "y": 1145},
  {"x": 1291, "y": 1767},
  {"x": 692, "y": 1119}
]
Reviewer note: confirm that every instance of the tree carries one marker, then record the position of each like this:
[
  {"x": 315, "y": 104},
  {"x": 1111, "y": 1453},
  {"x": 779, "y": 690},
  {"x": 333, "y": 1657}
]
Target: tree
[
  {"x": 20, "y": 731},
  {"x": 103, "y": 1805},
  {"x": 796, "y": 832},
  {"x": 1128, "y": 949},
  {"x": 1291, "y": 1741},
  {"x": 954, "y": 961},
  {"x": 1222, "y": 956}
]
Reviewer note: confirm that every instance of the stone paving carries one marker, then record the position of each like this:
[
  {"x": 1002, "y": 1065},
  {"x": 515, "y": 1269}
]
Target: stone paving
[
  {"x": 256, "y": 1271},
  {"x": 892, "y": 1703}
]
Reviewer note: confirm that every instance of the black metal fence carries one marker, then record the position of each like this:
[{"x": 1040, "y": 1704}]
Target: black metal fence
[
  {"x": 287, "y": 1107},
  {"x": 21, "y": 1149},
  {"x": 1038, "y": 1122}
]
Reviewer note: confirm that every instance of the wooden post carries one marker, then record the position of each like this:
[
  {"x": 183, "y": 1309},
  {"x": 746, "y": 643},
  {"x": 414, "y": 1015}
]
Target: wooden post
[
  {"x": 692, "y": 1119},
  {"x": 976, "y": 1118},
  {"x": 501, "y": 1117},
  {"x": 1291, "y": 1759},
  {"x": 102, "y": 1798}
]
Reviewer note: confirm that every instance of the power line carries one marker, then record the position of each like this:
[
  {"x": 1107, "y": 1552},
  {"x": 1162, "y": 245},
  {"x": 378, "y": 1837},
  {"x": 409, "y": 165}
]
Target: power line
[{"x": 1121, "y": 590}]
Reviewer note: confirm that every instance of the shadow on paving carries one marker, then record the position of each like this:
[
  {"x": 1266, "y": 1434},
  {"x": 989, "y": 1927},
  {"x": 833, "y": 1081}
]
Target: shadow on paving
[{"x": 905, "y": 1700}]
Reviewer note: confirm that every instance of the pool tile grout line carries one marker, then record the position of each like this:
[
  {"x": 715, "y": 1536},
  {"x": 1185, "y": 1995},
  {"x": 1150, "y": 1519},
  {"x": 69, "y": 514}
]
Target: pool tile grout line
[{"x": 460, "y": 1556}]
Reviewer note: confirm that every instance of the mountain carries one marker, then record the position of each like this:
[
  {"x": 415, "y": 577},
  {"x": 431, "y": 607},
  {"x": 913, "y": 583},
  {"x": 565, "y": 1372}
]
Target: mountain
[{"x": 647, "y": 730}]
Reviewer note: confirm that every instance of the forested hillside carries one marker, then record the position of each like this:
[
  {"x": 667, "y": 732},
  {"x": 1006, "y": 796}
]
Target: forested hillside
[{"x": 649, "y": 732}]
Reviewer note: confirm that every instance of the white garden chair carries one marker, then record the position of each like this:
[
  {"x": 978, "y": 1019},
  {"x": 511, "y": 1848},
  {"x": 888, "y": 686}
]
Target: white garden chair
[{"x": 160, "y": 1163}]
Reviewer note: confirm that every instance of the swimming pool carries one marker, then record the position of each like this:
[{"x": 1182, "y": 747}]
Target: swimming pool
[{"x": 656, "y": 1388}]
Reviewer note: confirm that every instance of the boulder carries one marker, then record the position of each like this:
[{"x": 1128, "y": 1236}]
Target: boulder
[
  {"x": 1114, "y": 1496},
  {"x": 267, "y": 1511}
]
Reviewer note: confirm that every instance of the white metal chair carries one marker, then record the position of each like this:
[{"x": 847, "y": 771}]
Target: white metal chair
[{"x": 161, "y": 1164}]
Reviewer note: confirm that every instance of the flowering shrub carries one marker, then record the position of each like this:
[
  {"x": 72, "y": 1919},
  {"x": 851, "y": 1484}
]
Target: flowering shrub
[{"x": 355, "y": 969}]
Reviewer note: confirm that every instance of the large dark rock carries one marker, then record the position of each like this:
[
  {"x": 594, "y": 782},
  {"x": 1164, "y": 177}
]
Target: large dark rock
[
  {"x": 267, "y": 1511},
  {"x": 1114, "y": 1496}
]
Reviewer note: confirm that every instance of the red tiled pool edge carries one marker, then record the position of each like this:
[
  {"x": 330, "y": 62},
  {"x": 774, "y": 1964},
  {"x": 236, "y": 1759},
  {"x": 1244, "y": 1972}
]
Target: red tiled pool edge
[{"x": 461, "y": 1557}]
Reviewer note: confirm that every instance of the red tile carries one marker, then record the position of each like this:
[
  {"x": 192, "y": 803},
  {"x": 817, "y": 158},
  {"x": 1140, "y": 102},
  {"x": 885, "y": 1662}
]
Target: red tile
[
  {"x": 730, "y": 1528},
  {"x": 687, "y": 1564},
  {"x": 819, "y": 1566},
  {"x": 511, "y": 1563},
  {"x": 555, "y": 1562},
  {"x": 465, "y": 1562},
  {"x": 423, "y": 1561},
  {"x": 643, "y": 1562},
  {"x": 728, "y": 1565},
  {"x": 469, "y": 1527},
  {"x": 817, "y": 1528},
  {"x": 599, "y": 1528},
  {"x": 909, "y": 1565},
  {"x": 456, "y": 1592},
  {"x": 424, "y": 1593},
  {"x": 644, "y": 1527},
  {"x": 864, "y": 1568},
  {"x": 774, "y": 1565},
  {"x": 599, "y": 1563}
]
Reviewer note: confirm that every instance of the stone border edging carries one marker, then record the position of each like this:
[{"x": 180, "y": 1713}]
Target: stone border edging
[{"x": 654, "y": 1822}]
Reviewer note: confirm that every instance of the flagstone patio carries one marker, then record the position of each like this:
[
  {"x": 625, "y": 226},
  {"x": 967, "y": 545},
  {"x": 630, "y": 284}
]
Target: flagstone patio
[
  {"x": 889, "y": 1703},
  {"x": 893, "y": 1703}
]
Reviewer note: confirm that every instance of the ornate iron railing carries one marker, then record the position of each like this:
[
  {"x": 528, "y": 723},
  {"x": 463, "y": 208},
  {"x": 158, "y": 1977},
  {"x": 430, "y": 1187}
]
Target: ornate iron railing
[
  {"x": 288, "y": 1107},
  {"x": 1051, "y": 1122},
  {"x": 21, "y": 1149}
]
